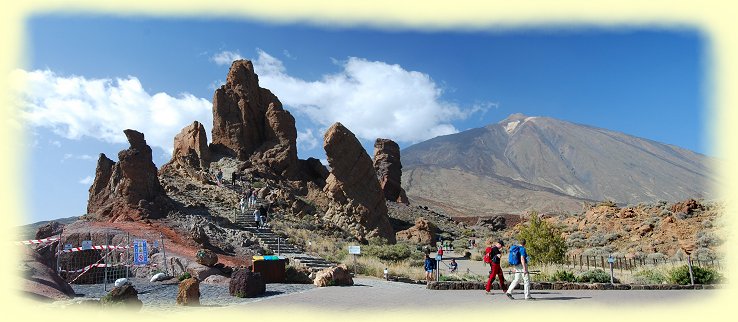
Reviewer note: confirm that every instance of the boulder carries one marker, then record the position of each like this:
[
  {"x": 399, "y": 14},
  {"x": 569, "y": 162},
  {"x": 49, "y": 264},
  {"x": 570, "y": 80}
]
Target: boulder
[
  {"x": 52, "y": 228},
  {"x": 422, "y": 233},
  {"x": 129, "y": 189},
  {"x": 217, "y": 280},
  {"x": 124, "y": 296},
  {"x": 41, "y": 281},
  {"x": 249, "y": 123},
  {"x": 687, "y": 206},
  {"x": 389, "y": 169},
  {"x": 206, "y": 257},
  {"x": 189, "y": 292},
  {"x": 158, "y": 277},
  {"x": 245, "y": 283},
  {"x": 333, "y": 276},
  {"x": 356, "y": 201}
]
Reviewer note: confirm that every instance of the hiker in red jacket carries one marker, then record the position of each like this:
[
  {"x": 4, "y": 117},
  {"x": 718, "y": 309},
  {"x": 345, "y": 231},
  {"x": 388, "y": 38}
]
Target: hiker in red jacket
[{"x": 493, "y": 254}]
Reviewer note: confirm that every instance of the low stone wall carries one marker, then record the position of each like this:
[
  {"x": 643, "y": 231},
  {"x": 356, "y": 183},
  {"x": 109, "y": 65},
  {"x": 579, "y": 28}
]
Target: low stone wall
[{"x": 570, "y": 286}]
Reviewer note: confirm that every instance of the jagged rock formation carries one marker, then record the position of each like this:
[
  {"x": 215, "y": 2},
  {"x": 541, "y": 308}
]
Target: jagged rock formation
[
  {"x": 129, "y": 189},
  {"x": 191, "y": 147},
  {"x": 422, "y": 233},
  {"x": 357, "y": 203},
  {"x": 496, "y": 223},
  {"x": 389, "y": 169},
  {"x": 250, "y": 124}
]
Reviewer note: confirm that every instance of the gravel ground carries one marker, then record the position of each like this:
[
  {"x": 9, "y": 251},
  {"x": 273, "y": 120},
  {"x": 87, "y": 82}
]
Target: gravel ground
[{"x": 163, "y": 295}]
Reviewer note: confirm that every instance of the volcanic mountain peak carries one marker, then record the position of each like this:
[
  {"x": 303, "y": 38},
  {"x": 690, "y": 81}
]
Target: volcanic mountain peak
[{"x": 572, "y": 159}]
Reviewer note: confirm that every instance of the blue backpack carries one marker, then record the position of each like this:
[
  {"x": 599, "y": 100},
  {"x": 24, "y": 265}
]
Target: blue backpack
[{"x": 514, "y": 256}]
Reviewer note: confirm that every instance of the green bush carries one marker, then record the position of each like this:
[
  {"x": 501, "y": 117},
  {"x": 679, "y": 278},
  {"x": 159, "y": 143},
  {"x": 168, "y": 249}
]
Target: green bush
[
  {"x": 594, "y": 276},
  {"x": 563, "y": 276},
  {"x": 702, "y": 275},
  {"x": 449, "y": 278},
  {"x": 544, "y": 243},
  {"x": 394, "y": 253},
  {"x": 184, "y": 276},
  {"x": 649, "y": 276}
]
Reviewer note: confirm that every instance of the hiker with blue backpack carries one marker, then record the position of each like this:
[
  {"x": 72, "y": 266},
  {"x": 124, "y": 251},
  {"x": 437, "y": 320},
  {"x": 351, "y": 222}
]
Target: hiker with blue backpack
[{"x": 518, "y": 258}]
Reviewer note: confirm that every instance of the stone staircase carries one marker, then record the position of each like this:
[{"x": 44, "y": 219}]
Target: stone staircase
[{"x": 278, "y": 245}]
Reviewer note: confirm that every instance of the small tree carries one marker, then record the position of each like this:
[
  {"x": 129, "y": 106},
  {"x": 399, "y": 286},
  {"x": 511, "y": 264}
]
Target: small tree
[{"x": 543, "y": 241}]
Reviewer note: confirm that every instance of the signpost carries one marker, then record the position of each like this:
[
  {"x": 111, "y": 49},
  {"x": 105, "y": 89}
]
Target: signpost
[
  {"x": 86, "y": 244},
  {"x": 140, "y": 252},
  {"x": 438, "y": 263},
  {"x": 611, "y": 260},
  {"x": 354, "y": 250}
]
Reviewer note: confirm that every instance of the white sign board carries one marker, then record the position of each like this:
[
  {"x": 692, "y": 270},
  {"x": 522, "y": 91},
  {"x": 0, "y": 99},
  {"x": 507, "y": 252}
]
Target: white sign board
[
  {"x": 356, "y": 250},
  {"x": 86, "y": 244}
]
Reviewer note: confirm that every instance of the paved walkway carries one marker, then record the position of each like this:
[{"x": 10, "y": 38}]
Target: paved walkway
[{"x": 377, "y": 294}]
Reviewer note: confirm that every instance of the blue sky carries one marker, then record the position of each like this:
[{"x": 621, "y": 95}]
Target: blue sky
[{"x": 93, "y": 76}]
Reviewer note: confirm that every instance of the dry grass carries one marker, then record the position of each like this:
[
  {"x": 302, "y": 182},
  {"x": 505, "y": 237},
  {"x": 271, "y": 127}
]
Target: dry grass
[{"x": 372, "y": 266}]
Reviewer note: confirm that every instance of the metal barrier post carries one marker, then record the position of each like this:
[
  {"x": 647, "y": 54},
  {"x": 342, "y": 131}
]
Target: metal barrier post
[
  {"x": 164, "y": 254},
  {"x": 58, "y": 252},
  {"x": 128, "y": 264},
  {"x": 105, "y": 269}
]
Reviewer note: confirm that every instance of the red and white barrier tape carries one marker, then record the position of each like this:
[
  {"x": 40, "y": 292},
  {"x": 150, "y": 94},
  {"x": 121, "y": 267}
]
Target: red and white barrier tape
[
  {"x": 38, "y": 241},
  {"x": 88, "y": 267},
  {"x": 98, "y": 247}
]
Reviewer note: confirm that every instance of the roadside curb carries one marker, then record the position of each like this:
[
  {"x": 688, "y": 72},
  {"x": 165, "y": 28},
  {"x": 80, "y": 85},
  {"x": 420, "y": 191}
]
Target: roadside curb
[{"x": 572, "y": 286}]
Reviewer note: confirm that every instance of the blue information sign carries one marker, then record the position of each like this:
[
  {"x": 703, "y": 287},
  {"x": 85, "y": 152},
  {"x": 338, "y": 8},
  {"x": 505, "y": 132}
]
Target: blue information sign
[{"x": 140, "y": 252}]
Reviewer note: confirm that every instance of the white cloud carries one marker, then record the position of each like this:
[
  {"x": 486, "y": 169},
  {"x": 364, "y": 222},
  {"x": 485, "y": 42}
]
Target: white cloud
[
  {"x": 373, "y": 99},
  {"x": 75, "y": 107},
  {"x": 226, "y": 57},
  {"x": 55, "y": 143},
  {"x": 86, "y": 180},
  {"x": 85, "y": 157},
  {"x": 306, "y": 140},
  {"x": 287, "y": 54}
]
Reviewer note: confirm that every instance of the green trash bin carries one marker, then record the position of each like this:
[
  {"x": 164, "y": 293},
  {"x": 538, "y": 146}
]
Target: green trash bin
[{"x": 272, "y": 268}]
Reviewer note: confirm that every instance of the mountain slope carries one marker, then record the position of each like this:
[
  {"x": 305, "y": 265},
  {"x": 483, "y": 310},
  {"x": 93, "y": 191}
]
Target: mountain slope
[{"x": 524, "y": 163}]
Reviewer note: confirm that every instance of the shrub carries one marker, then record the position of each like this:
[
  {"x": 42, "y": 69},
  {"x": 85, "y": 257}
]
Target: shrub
[
  {"x": 184, "y": 276},
  {"x": 707, "y": 239},
  {"x": 703, "y": 254},
  {"x": 393, "y": 253},
  {"x": 449, "y": 278},
  {"x": 608, "y": 203},
  {"x": 597, "y": 240},
  {"x": 702, "y": 275},
  {"x": 563, "y": 276},
  {"x": 707, "y": 224},
  {"x": 544, "y": 242},
  {"x": 649, "y": 276},
  {"x": 594, "y": 276}
]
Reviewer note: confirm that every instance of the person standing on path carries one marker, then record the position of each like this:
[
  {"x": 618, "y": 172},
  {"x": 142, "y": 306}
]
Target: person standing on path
[
  {"x": 518, "y": 257},
  {"x": 495, "y": 270},
  {"x": 262, "y": 217},
  {"x": 430, "y": 264},
  {"x": 219, "y": 176},
  {"x": 257, "y": 218}
]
